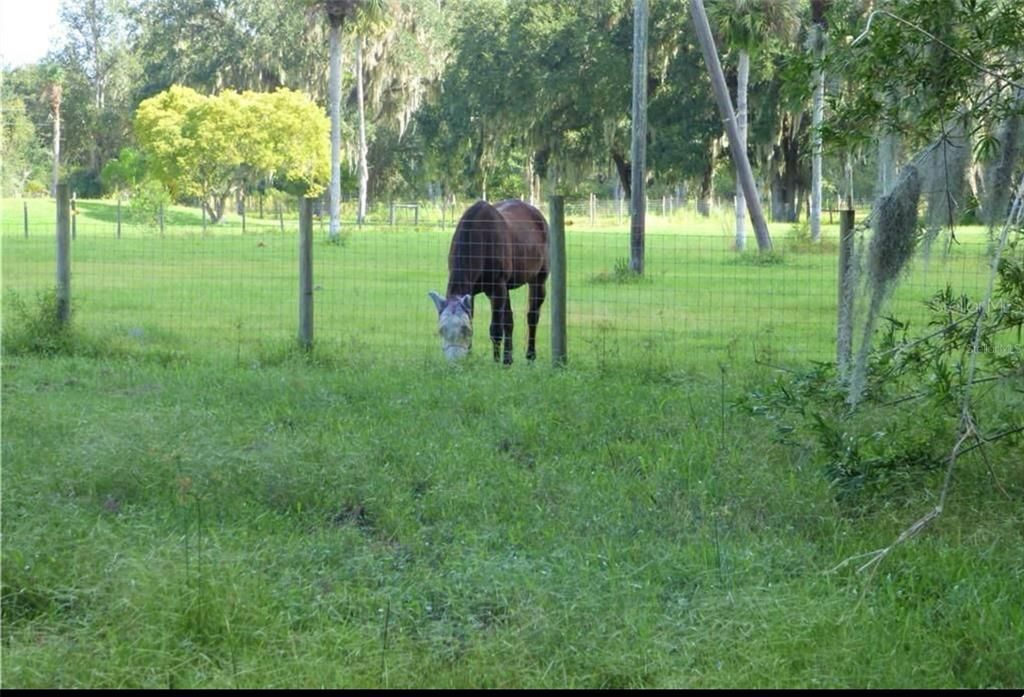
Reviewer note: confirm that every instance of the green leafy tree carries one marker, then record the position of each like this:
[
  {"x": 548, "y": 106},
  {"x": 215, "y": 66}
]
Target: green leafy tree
[
  {"x": 288, "y": 143},
  {"x": 124, "y": 172},
  {"x": 24, "y": 159},
  {"x": 99, "y": 71},
  {"x": 207, "y": 147},
  {"x": 930, "y": 62},
  {"x": 228, "y": 44}
]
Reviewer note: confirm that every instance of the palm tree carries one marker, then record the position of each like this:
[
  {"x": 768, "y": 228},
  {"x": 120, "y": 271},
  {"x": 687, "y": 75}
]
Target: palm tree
[
  {"x": 367, "y": 16},
  {"x": 371, "y": 21},
  {"x": 748, "y": 26},
  {"x": 337, "y": 12},
  {"x": 364, "y": 171},
  {"x": 817, "y": 46},
  {"x": 744, "y": 175}
]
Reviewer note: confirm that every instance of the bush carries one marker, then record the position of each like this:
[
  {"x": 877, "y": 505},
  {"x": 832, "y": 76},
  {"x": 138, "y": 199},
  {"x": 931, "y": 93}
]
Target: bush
[
  {"x": 620, "y": 274},
  {"x": 85, "y": 183},
  {"x": 37, "y": 330},
  {"x": 919, "y": 393},
  {"x": 147, "y": 200}
]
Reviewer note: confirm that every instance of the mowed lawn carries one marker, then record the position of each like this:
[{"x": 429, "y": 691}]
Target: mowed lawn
[{"x": 190, "y": 502}]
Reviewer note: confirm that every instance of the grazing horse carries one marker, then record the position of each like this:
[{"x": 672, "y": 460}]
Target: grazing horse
[{"x": 494, "y": 249}]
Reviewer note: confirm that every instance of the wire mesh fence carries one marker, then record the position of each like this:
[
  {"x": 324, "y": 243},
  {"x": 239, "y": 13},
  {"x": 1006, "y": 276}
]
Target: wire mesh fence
[{"x": 214, "y": 290}]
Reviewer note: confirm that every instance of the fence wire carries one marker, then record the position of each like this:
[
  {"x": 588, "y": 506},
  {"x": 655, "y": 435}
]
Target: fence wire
[{"x": 214, "y": 290}]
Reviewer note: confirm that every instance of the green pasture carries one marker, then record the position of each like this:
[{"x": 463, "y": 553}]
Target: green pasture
[
  {"x": 217, "y": 291},
  {"x": 190, "y": 502}
]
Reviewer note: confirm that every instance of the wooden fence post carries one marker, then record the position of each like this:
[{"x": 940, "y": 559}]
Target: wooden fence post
[
  {"x": 63, "y": 254},
  {"x": 24, "y": 210},
  {"x": 556, "y": 254},
  {"x": 844, "y": 314},
  {"x": 74, "y": 217},
  {"x": 306, "y": 273}
]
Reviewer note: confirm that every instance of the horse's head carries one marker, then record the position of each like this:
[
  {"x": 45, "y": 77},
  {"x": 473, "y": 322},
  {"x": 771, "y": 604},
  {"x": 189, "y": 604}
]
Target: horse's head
[{"x": 454, "y": 324}]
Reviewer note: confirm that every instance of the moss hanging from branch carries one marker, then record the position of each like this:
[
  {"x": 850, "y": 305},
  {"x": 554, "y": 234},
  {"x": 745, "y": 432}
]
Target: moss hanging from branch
[
  {"x": 944, "y": 178},
  {"x": 892, "y": 246}
]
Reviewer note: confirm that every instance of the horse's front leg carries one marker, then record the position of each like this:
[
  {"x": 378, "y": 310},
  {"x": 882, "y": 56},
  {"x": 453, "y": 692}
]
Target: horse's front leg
[{"x": 501, "y": 323}]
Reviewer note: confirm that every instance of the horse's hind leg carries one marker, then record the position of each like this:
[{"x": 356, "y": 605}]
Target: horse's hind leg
[{"x": 537, "y": 293}]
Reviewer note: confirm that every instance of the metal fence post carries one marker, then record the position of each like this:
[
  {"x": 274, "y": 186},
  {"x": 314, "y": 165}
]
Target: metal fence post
[
  {"x": 24, "y": 210},
  {"x": 306, "y": 273},
  {"x": 63, "y": 254},
  {"x": 556, "y": 254}
]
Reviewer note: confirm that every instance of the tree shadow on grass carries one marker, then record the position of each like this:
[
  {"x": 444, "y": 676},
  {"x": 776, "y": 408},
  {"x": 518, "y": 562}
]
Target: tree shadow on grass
[{"x": 106, "y": 212}]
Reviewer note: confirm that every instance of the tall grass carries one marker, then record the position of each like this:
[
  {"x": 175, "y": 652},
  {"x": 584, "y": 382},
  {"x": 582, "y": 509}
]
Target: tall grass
[
  {"x": 366, "y": 517},
  {"x": 353, "y": 524}
]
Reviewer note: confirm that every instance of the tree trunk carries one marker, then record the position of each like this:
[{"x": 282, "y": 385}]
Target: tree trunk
[
  {"x": 704, "y": 190},
  {"x": 999, "y": 182},
  {"x": 55, "y": 99},
  {"x": 214, "y": 205},
  {"x": 746, "y": 175},
  {"x": 334, "y": 100},
  {"x": 786, "y": 181},
  {"x": 817, "y": 118},
  {"x": 785, "y": 196},
  {"x": 888, "y": 143},
  {"x": 707, "y": 180},
  {"x": 638, "y": 152},
  {"x": 364, "y": 174},
  {"x": 528, "y": 181},
  {"x": 742, "y": 81}
]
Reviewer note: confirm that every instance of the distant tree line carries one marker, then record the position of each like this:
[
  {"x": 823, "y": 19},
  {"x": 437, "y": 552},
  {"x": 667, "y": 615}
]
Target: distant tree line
[{"x": 491, "y": 98}]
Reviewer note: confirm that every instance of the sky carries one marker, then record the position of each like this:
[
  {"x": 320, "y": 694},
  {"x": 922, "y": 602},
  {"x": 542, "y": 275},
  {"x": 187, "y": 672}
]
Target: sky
[{"x": 28, "y": 29}]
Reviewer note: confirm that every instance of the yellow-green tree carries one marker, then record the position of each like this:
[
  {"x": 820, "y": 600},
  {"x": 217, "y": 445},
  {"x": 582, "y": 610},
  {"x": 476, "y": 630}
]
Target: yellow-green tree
[
  {"x": 207, "y": 147},
  {"x": 291, "y": 147}
]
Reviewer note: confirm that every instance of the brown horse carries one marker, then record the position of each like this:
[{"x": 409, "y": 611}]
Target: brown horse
[{"x": 495, "y": 249}]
